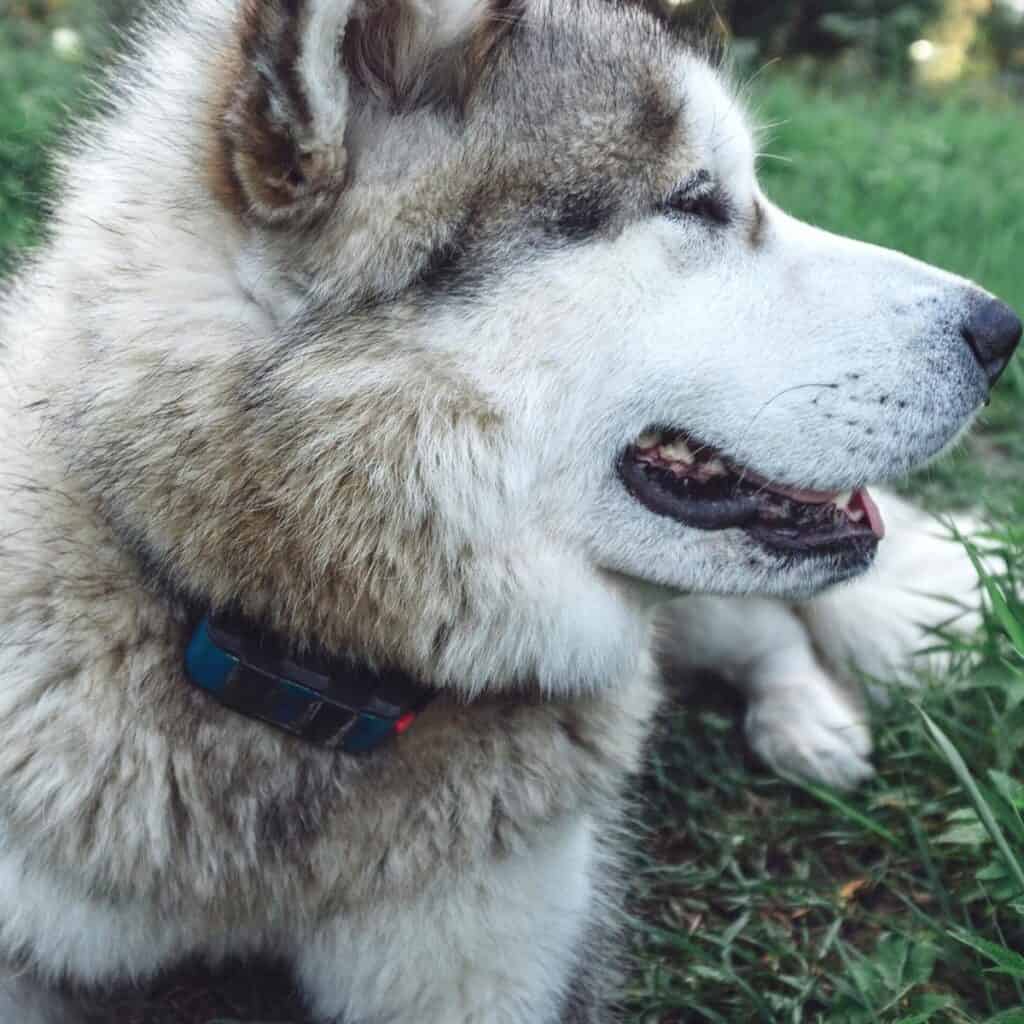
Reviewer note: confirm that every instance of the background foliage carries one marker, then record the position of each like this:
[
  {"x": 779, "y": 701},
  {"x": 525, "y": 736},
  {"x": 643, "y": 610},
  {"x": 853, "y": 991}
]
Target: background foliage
[
  {"x": 870, "y": 37},
  {"x": 758, "y": 900},
  {"x": 880, "y": 30}
]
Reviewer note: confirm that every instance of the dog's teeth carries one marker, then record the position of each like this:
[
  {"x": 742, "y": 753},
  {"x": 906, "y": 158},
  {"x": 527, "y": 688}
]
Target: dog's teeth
[
  {"x": 648, "y": 441},
  {"x": 677, "y": 451},
  {"x": 842, "y": 502}
]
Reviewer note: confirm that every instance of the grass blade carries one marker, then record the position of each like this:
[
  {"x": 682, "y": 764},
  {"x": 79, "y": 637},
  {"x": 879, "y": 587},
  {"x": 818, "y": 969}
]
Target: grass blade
[
  {"x": 1005, "y": 960},
  {"x": 963, "y": 774},
  {"x": 829, "y": 797},
  {"x": 1000, "y": 606}
]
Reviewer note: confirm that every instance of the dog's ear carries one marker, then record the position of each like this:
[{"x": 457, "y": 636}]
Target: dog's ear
[{"x": 298, "y": 65}]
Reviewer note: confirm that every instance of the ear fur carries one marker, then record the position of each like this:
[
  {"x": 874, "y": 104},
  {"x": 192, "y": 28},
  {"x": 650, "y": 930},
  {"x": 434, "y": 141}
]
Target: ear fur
[
  {"x": 282, "y": 142},
  {"x": 281, "y": 153},
  {"x": 410, "y": 52}
]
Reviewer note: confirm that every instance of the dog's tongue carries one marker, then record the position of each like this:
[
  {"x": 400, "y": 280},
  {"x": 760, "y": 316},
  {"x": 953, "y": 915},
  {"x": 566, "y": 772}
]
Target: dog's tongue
[{"x": 863, "y": 502}]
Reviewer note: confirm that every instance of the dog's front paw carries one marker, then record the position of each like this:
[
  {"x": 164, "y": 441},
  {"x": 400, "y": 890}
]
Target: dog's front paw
[{"x": 806, "y": 729}]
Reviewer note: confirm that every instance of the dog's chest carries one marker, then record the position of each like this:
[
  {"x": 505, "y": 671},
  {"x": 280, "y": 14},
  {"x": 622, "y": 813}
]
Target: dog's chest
[{"x": 153, "y": 791}]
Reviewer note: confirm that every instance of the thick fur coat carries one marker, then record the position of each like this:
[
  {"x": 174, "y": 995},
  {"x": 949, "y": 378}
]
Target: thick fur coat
[{"x": 348, "y": 314}]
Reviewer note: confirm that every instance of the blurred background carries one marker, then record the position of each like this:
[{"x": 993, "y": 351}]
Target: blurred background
[{"x": 927, "y": 40}]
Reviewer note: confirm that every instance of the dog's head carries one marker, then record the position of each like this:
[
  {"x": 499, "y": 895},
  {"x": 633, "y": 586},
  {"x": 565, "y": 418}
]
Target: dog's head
[{"x": 469, "y": 322}]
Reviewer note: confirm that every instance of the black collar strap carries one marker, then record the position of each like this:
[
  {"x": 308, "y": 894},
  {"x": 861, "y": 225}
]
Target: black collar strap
[{"x": 334, "y": 702}]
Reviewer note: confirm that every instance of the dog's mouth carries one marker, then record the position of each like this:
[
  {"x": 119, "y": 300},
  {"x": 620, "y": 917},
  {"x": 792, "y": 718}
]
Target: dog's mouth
[{"x": 673, "y": 475}]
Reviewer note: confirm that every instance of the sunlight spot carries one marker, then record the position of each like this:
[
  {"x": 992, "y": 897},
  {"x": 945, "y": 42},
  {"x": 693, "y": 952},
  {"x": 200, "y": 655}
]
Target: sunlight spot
[{"x": 923, "y": 50}]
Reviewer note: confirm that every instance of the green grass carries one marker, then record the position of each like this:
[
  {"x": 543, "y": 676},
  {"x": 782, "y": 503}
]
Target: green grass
[
  {"x": 761, "y": 901},
  {"x": 37, "y": 90},
  {"x": 755, "y": 900}
]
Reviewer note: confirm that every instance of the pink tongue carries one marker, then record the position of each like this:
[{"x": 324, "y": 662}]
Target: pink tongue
[{"x": 862, "y": 500}]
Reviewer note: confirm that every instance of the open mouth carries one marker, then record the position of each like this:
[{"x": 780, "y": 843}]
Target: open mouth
[{"x": 675, "y": 476}]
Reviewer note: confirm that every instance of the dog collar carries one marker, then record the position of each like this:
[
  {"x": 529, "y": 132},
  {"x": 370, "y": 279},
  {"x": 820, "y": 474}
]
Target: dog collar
[{"x": 334, "y": 702}]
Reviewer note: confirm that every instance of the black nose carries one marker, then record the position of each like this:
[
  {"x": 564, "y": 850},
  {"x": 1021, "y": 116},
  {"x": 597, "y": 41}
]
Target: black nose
[{"x": 993, "y": 331}]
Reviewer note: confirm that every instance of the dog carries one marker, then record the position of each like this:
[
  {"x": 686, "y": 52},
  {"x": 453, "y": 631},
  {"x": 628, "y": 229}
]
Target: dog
[{"x": 389, "y": 367}]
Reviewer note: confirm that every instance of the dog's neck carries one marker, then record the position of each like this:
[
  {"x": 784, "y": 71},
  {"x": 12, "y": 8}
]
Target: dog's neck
[
  {"x": 333, "y": 699},
  {"x": 342, "y": 703},
  {"x": 557, "y": 643},
  {"x": 94, "y": 696}
]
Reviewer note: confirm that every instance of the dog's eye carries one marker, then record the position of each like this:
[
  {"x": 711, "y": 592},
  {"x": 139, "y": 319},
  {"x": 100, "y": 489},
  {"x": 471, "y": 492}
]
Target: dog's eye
[{"x": 698, "y": 200}]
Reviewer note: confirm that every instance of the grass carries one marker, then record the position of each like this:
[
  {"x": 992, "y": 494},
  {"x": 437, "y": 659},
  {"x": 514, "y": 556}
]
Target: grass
[
  {"x": 904, "y": 902},
  {"x": 754, "y": 899},
  {"x": 37, "y": 89}
]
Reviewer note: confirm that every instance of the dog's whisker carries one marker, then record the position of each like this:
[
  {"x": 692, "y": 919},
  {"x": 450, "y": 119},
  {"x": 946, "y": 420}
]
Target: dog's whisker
[
  {"x": 779, "y": 394},
  {"x": 777, "y": 157}
]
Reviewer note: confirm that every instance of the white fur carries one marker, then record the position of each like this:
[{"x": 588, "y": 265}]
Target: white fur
[
  {"x": 496, "y": 949},
  {"x": 886, "y": 624},
  {"x": 799, "y": 720},
  {"x": 320, "y": 68}
]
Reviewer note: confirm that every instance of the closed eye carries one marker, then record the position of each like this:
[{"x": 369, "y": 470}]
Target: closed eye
[{"x": 699, "y": 197}]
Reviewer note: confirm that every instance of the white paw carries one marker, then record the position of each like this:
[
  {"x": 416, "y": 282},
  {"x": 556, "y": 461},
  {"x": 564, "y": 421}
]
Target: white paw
[{"x": 806, "y": 729}]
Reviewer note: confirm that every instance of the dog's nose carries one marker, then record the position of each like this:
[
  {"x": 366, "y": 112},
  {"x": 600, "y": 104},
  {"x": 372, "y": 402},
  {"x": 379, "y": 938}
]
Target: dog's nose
[{"x": 992, "y": 330}]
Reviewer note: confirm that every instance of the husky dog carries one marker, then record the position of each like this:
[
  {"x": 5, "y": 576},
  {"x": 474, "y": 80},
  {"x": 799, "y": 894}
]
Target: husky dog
[{"x": 438, "y": 341}]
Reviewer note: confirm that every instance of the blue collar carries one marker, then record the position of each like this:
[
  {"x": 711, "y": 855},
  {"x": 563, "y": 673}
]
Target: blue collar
[{"x": 334, "y": 702}]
